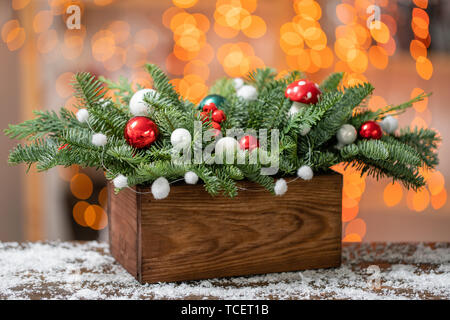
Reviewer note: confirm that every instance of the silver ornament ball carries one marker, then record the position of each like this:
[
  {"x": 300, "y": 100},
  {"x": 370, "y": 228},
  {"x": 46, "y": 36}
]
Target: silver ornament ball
[{"x": 389, "y": 124}]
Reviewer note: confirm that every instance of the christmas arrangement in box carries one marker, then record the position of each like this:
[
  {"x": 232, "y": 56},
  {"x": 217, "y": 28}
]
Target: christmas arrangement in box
[{"x": 239, "y": 184}]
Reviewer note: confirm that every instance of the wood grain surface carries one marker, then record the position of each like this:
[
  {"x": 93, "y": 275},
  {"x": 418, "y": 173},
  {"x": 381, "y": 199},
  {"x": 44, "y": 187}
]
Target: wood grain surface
[
  {"x": 123, "y": 228},
  {"x": 192, "y": 235}
]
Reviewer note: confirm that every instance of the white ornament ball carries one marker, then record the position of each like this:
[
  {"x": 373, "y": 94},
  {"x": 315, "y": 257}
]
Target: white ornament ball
[
  {"x": 247, "y": 92},
  {"x": 180, "y": 138},
  {"x": 137, "y": 105},
  {"x": 99, "y": 139},
  {"x": 82, "y": 115},
  {"x": 238, "y": 83},
  {"x": 226, "y": 145},
  {"x": 305, "y": 172},
  {"x": 160, "y": 188},
  {"x": 346, "y": 134},
  {"x": 190, "y": 177},
  {"x": 389, "y": 124},
  {"x": 120, "y": 181},
  {"x": 305, "y": 130},
  {"x": 280, "y": 187}
]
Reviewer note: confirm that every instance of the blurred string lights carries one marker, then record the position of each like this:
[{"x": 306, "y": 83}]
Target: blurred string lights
[{"x": 357, "y": 48}]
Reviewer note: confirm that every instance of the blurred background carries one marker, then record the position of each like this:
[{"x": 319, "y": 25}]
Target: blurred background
[{"x": 197, "y": 41}]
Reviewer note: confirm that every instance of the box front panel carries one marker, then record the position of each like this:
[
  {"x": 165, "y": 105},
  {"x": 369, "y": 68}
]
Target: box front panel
[
  {"x": 191, "y": 235},
  {"x": 123, "y": 226}
]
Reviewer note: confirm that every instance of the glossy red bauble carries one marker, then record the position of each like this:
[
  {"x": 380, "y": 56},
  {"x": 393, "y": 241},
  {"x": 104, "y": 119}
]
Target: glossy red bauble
[
  {"x": 140, "y": 132},
  {"x": 370, "y": 130},
  {"x": 303, "y": 91},
  {"x": 219, "y": 116},
  {"x": 248, "y": 143},
  {"x": 209, "y": 107}
]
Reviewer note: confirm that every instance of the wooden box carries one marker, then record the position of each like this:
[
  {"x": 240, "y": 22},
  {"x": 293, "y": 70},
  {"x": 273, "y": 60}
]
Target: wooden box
[{"x": 192, "y": 235}]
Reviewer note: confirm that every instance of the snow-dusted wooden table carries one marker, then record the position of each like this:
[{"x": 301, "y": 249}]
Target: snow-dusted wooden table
[{"x": 71, "y": 270}]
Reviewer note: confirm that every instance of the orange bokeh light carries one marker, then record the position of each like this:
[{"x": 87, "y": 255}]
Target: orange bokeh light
[
  {"x": 356, "y": 226},
  {"x": 349, "y": 214},
  {"x": 380, "y": 32},
  {"x": 439, "y": 200},
  {"x": 424, "y": 67},
  {"x": 378, "y": 57},
  {"x": 184, "y": 3},
  {"x": 346, "y": 13},
  {"x": 353, "y": 237},
  {"x": 420, "y": 106},
  {"x": 421, "y": 3},
  {"x": 393, "y": 194},
  {"x": 42, "y": 21},
  {"x": 81, "y": 186},
  {"x": 103, "y": 197},
  {"x": 253, "y": 26},
  {"x": 435, "y": 182},
  {"x": 78, "y": 212},
  {"x": 417, "y": 49},
  {"x": 95, "y": 217}
]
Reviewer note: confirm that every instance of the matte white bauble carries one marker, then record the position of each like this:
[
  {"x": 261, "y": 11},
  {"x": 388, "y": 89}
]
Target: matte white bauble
[
  {"x": 346, "y": 134},
  {"x": 138, "y": 107},
  {"x": 180, "y": 138}
]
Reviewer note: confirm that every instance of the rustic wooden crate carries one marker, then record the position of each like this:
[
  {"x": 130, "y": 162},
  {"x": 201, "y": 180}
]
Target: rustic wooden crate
[{"x": 191, "y": 235}]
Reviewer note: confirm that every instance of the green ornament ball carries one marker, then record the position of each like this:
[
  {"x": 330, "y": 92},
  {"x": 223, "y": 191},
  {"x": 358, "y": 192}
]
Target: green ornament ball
[{"x": 218, "y": 100}]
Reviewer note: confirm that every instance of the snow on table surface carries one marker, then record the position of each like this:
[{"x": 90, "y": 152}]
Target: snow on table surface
[{"x": 75, "y": 270}]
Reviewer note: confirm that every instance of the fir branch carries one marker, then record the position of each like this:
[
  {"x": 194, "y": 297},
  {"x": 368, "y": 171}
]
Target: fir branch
[
  {"x": 253, "y": 173},
  {"x": 373, "y": 149},
  {"x": 410, "y": 177},
  {"x": 339, "y": 114},
  {"x": 424, "y": 142},
  {"x": 223, "y": 87},
  {"x": 122, "y": 89},
  {"x": 332, "y": 82},
  {"x": 260, "y": 77},
  {"x": 308, "y": 117},
  {"x": 46, "y": 122},
  {"x": 88, "y": 90},
  {"x": 366, "y": 114},
  {"x": 164, "y": 87}
]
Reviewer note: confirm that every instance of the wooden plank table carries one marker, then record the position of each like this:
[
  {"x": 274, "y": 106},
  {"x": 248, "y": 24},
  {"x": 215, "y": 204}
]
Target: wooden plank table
[{"x": 75, "y": 270}]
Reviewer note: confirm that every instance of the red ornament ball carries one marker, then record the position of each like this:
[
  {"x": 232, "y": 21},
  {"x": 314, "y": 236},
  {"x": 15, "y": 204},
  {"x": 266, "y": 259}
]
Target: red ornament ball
[
  {"x": 303, "y": 91},
  {"x": 140, "y": 132},
  {"x": 219, "y": 116},
  {"x": 370, "y": 130},
  {"x": 248, "y": 143},
  {"x": 209, "y": 107}
]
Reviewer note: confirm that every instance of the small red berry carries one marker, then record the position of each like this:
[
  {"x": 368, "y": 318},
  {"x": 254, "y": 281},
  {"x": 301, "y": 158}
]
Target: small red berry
[
  {"x": 216, "y": 127},
  {"x": 219, "y": 116},
  {"x": 248, "y": 143},
  {"x": 209, "y": 107}
]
